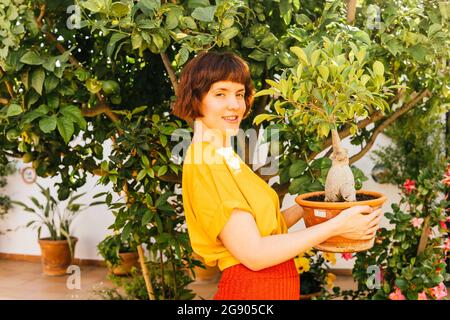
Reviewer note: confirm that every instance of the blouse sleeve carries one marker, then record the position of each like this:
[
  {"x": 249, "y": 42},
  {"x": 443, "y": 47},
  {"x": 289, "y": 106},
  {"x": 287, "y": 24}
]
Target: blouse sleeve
[{"x": 214, "y": 196}]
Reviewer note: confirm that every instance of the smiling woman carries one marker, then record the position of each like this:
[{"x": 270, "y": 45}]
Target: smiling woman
[{"x": 233, "y": 216}]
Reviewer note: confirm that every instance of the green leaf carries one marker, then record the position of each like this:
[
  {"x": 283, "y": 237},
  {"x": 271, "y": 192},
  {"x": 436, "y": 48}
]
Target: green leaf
[
  {"x": 258, "y": 55},
  {"x": 418, "y": 52},
  {"x": 151, "y": 4},
  {"x": 136, "y": 41},
  {"x": 145, "y": 161},
  {"x": 163, "y": 140},
  {"x": 298, "y": 185},
  {"x": 92, "y": 5},
  {"x": 401, "y": 284},
  {"x": 119, "y": 9},
  {"x": 323, "y": 70},
  {"x": 13, "y": 110},
  {"x": 198, "y": 3},
  {"x": 182, "y": 56},
  {"x": 205, "y": 14},
  {"x": 162, "y": 171},
  {"x": 141, "y": 175},
  {"x": 378, "y": 68},
  {"x": 147, "y": 217},
  {"x": 297, "y": 168},
  {"x": 315, "y": 186},
  {"x": 126, "y": 231},
  {"x": 32, "y": 115},
  {"x": 37, "y": 80},
  {"x": 32, "y": 58},
  {"x": 362, "y": 36},
  {"x": 74, "y": 113},
  {"x": 48, "y": 124},
  {"x": 50, "y": 83},
  {"x": 301, "y": 55},
  {"x": 172, "y": 20},
  {"x": 112, "y": 43},
  {"x": 263, "y": 117},
  {"x": 65, "y": 128},
  {"x": 229, "y": 33},
  {"x": 162, "y": 199},
  {"x": 286, "y": 11}
]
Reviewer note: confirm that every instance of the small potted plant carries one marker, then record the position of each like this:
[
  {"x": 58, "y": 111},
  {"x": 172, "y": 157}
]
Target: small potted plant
[
  {"x": 57, "y": 249},
  {"x": 329, "y": 87},
  {"x": 315, "y": 276},
  {"x": 120, "y": 256}
]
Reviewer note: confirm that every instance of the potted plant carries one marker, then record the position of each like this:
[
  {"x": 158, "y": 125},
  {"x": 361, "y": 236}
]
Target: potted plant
[
  {"x": 409, "y": 259},
  {"x": 57, "y": 249},
  {"x": 314, "y": 270},
  {"x": 326, "y": 89},
  {"x": 5, "y": 201},
  {"x": 120, "y": 256}
]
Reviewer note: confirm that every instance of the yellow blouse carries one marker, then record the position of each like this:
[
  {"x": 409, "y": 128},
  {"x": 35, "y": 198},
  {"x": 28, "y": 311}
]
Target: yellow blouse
[{"x": 216, "y": 181}]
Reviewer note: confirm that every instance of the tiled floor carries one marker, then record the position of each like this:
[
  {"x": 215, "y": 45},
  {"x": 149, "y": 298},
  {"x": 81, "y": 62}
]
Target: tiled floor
[{"x": 24, "y": 280}]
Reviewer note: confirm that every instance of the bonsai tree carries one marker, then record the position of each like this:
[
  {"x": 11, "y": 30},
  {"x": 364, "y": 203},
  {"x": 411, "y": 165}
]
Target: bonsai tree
[{"x": 329, "y": 86}]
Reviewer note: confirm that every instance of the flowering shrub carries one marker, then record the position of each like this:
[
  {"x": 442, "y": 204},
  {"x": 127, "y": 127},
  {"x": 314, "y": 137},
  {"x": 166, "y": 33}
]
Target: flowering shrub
[
  {"x": 408, "y": 261},
  {"x": 313, "y": 267}
]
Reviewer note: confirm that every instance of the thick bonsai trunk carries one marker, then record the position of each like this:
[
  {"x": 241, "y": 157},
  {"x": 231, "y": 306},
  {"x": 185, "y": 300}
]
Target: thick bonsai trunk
[{"x": 340, "y": 182}]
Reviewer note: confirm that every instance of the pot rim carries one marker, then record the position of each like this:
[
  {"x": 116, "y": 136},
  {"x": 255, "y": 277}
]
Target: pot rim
[
  {"x": 48, "y": 240},
  {"x": 300, "y": 199}
]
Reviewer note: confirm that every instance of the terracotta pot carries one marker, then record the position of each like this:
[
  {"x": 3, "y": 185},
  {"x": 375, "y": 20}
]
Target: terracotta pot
[
  {"x": 316, "y": 212},
  {"x": 56, "y": 256},
  {"x": 128, "y": 261},
  {"x": 208, "y": 274}
]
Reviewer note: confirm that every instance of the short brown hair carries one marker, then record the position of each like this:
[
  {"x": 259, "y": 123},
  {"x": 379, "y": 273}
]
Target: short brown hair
[{"x": 201, "y": 73}]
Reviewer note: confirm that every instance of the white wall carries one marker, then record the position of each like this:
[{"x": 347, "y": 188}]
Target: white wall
[{"x": 91, "y": 226}]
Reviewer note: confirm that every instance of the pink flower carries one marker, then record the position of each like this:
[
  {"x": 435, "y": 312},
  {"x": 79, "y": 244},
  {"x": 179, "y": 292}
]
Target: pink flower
[
  {"x": 443, "y": 224},
  {"x": 447, "y": 245},
  {"x": 409, "y": 185},
  {"x": 397, "y": 295},
  {"x": 422, "y": 296},
  {"x": 417, "y": 222},
  {"x": 439, "y": 292},
  {"x": 347, "y": 256},
  {"x": 446, "y": 179}
]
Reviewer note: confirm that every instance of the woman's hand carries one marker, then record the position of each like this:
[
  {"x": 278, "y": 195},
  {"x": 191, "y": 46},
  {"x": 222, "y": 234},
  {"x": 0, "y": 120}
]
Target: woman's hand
[{"x": 354, "y": 225}]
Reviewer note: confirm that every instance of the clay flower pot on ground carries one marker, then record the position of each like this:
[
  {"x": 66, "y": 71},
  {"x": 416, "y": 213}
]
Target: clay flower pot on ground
[
  {"x": 57, "y": 255},
  {"x": 57, "y": 252},
  {"x": 128, "y": 261},
  {"x": 316, "y": 211},
  {"x": 120, "y": 256}
]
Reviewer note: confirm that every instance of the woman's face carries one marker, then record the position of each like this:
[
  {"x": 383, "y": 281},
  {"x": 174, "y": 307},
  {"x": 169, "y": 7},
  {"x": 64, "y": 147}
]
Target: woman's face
[{"x": 223, "y": 107}]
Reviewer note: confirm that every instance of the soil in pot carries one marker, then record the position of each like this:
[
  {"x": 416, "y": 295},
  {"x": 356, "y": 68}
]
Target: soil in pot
[
  {"x": 56, "y": 255},
  {"x": 316, "y": 212}
]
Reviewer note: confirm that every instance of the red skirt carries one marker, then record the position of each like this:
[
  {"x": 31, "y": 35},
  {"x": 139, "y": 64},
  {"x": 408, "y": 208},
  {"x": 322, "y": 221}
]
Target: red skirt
[{"x": 279, "y": 282}]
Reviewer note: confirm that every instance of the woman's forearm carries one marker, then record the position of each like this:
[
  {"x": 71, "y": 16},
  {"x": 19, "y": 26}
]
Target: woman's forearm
[
  {"x": 276, "y": 249},
  {"x": 292, "y": 215}
]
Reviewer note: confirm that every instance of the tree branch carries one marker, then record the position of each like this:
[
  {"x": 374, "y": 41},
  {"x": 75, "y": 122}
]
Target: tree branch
[
  {"x": 170, "y": 71},
  {"x": 4, "y": 101},
  {"x": 351, "y": 11},
  {"x": 380, "y": 128},
  {"x": 282, "y": 189},
  {"x": 345, "y": 132},
  {"x": 100, "y": 108}
]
